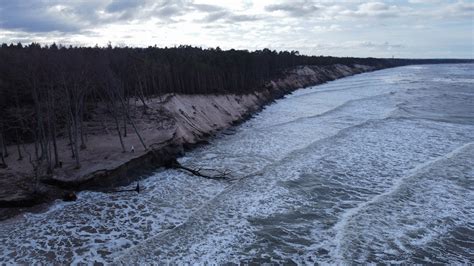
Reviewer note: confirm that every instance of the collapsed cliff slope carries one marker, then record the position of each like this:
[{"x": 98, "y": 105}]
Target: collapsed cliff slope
[{"x": 170, "y": 123}]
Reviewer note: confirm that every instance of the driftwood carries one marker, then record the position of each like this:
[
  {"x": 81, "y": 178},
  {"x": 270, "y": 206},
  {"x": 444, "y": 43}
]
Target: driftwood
[
  {"x": 136, "y": 189},
  {"x": 201, "y": 172}
]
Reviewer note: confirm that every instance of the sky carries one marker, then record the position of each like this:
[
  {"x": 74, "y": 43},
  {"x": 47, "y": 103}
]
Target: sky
[{"x": 403, "y": 28}]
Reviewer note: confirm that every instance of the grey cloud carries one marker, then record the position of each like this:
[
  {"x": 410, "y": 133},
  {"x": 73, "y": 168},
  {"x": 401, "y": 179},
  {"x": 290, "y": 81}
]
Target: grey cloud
[
  {"x": 207, "y": 8},
  {"x": 216, "y": 13},
  {"x": 126, "y": 9},
  {"x": 166, "y": 12},
  {"x": 80, "y": 16},
  {"x": 32, "y": 23},
  {"x": 375, "y": 6},
  {"x": 168, "y": 9},
  {"x": 294, "y": 8},
  {"x": 77, "y": 16},
  {"x": 123, "y": 5},
  {"x": 241, "y": 18},
  {"x": 37, "y": 16},
  {"x": 459, "y": 9},
  {"x": 373, "y": 9},
  {"x": 215, "y": 16},
  {"x": 228, "y": 17}
]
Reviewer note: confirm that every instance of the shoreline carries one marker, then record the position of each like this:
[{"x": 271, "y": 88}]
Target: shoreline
[{"x": 195, "y": 119}]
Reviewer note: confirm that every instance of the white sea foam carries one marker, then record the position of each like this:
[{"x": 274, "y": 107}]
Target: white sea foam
[{"x": 341, "y": 226}]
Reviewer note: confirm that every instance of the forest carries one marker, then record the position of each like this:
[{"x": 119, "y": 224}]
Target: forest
[{"x": 49, "y": 91}]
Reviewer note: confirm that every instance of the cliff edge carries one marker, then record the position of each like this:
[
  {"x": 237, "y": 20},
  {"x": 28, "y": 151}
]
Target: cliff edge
[{"x": 166, "y": 126}]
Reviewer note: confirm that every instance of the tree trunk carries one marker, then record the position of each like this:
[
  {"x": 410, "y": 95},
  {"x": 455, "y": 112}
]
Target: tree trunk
[
  {"x": 124, "y": 125},
  {"x": 81, "y": 125},
  {"x": 3, "y": 164},
  {"x": 20, "y": 155},
  {"x": 68, "y": 126},
  {"x": 76, "y": 137},
  {"x": 133, "y": 125},
  {"x": 5, "y": 149},
  {"x": 118, "y": 131},
  {"x": 55, "y": 148}
]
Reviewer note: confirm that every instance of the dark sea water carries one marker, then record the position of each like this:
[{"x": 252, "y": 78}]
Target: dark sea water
[{"x": 377, "y": 167}]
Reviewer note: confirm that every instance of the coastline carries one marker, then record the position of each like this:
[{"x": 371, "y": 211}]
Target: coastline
[{"x": 174, "y": 123}]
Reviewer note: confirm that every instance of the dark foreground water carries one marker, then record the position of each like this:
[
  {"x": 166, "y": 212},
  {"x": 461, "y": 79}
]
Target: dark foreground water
[{"x": 377, "y": 167}]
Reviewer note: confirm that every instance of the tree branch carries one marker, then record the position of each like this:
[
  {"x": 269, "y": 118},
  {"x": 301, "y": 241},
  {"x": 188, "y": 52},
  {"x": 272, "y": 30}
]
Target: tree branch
[{"x": 220, "y": 174}]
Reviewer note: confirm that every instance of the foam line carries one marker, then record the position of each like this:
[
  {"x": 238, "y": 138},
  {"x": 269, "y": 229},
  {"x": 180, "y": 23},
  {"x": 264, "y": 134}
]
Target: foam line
[
  {"x": 330, "y": 111},
  {"x": 341, "y": 226}
]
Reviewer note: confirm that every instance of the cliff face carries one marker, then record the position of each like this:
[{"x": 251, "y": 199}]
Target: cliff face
[
  {"x": 171, "y": 122},
  {"x": 197, "y": 116},
  {"x": 311, "y": 75}
]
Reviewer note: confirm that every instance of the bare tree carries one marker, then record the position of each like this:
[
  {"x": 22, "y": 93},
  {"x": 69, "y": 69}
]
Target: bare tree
[{"x": 3, "y": 164}]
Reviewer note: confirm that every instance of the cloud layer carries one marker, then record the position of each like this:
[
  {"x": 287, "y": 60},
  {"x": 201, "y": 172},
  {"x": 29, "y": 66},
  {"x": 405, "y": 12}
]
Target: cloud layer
[{"x": 405, "y": 28}]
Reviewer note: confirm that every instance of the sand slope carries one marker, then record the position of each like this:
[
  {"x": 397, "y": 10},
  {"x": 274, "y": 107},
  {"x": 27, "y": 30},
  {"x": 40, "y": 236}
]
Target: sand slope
[{"x": 170, "y": 122}]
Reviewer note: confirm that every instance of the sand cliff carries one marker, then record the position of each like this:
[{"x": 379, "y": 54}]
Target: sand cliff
[{"x": 170, "y": 123}]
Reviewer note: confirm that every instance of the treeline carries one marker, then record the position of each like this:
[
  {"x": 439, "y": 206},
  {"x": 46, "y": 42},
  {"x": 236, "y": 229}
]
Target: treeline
[{"x": 48, "y": 91}]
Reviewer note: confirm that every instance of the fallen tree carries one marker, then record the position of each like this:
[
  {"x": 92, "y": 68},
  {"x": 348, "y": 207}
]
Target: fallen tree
[{"x": 216, "y": 174}]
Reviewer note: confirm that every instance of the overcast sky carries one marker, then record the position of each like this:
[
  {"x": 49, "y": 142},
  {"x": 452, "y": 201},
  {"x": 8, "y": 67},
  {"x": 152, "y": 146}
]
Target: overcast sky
[{"x": 405, "y": 28}]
